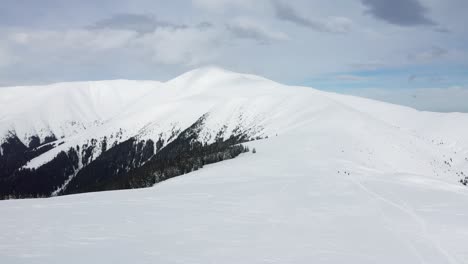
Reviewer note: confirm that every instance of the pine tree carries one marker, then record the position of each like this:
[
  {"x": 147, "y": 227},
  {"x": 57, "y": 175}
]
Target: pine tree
[{"x": 254, "y": 150}]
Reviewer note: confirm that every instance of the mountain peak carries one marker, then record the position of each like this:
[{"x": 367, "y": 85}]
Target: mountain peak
[
  {"x": 211, "y": 69},
  {"x": 206, "y": 73},
  {"x": 216, "y": 78}
]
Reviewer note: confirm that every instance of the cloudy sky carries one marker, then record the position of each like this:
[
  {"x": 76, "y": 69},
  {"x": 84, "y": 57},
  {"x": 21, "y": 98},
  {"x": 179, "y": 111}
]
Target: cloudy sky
[{"x": 413, "y": 52}]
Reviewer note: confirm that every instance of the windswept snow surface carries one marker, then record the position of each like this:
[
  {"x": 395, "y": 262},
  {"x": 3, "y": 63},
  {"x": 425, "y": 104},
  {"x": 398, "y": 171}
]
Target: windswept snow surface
[{"x": 340, "y": 179}]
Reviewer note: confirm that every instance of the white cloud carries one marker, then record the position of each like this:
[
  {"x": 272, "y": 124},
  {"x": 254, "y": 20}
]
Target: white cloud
[
  {"x": 180, "y": 46},
  {"x": 188, "y": 46},
  {"x": 72, "y": 39}
]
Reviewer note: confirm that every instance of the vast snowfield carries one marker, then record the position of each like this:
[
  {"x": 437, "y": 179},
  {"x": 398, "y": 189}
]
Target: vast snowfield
[{"x": 339, "y": 179}]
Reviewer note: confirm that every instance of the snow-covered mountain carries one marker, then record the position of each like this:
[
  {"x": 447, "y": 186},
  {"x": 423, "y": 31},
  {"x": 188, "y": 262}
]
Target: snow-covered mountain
[
  {"x": 92, "y": 136},
  {"x": 335, "y": 178},
  {"x": 48, "y": 139}
]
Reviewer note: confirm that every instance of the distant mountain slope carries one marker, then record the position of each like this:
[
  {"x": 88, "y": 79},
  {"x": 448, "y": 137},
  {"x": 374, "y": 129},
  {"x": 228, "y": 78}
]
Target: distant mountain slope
[
  {"x": 91, "y": 136},
  {"x": 65, "y": 109}
]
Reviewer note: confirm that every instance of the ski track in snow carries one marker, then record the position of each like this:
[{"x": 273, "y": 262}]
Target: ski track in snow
[{"x": 407, "y": 210}]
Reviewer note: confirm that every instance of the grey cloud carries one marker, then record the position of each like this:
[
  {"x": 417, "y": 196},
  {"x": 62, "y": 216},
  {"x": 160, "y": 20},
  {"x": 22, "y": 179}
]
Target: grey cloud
[
  {"x": 442, "y": 30},
  {"x": 247, "y": 33},
  {"x": 204, "y": 25},
  {"x": 399, "y": 12},
  {"x": 286, "y": 13},
  {"x": 428, "y": 55},
  {"x": 141, "y": 23},
  {"x": 333, "y": 25},
  {"x": 247, "y": 29}
]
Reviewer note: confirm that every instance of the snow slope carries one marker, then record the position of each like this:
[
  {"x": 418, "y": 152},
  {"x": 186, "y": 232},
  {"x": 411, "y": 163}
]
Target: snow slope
[
  {"x": 340, "y": 179},
  {"x": 284, "y": 204}
]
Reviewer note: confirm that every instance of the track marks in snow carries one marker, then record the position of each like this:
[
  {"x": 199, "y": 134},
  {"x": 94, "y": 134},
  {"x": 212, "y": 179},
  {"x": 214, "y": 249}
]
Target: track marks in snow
[{"x": 406, "y": 209}]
